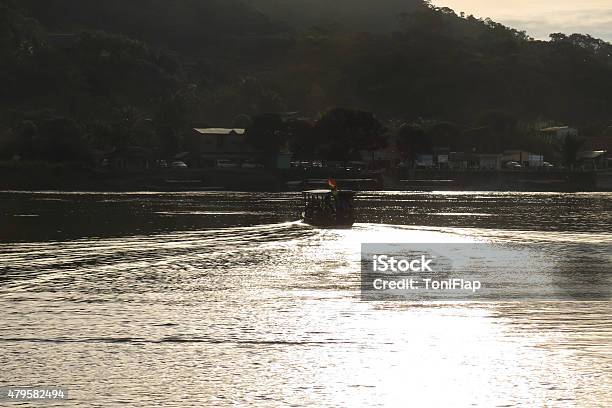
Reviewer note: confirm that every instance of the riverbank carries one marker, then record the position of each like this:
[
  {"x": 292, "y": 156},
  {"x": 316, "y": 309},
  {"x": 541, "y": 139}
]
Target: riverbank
[
  {"x": 503, "y": 180},
  {"x": 45, "y": 176}
]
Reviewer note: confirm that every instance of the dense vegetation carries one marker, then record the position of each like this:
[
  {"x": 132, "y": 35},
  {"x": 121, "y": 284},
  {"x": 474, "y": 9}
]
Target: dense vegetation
[
  {"x": 349, "y": 15},
  {"x": 79, "y": 77}
]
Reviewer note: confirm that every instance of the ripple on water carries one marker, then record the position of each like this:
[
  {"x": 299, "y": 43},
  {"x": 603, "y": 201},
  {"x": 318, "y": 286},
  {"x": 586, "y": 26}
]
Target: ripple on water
[{"x": 269, "y": 314}]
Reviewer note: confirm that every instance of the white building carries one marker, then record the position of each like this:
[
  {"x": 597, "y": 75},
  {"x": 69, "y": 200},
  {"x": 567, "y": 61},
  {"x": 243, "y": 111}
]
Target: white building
[{"x": 557, "y": 134}]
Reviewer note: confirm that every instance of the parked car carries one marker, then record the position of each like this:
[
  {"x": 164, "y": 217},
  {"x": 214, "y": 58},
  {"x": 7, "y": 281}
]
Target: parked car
[
  {"x": 547, "y": 165},
  {"x": 179, "y": 165},
  {"x": 512, "y": 165}
]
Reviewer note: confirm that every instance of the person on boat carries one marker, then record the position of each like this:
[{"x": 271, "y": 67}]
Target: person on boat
[
  {"x": 333, "y": 186},
  {"x": 333, "y": 195}
]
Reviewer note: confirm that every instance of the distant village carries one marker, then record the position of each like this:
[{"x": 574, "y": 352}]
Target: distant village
[
  {"x": 228, "y": 148},
  {"x": 278, "y": 152}
]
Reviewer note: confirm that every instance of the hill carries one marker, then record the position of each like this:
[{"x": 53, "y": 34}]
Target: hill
[
  {"x": 185, "y": 25},
  {"x": 348, "y": 15},
  {"x": 143, "y": 72}
]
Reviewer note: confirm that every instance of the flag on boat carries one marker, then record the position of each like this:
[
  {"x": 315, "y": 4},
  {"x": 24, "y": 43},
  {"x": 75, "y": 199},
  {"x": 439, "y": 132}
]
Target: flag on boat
[{"x": 331, "y": 182}]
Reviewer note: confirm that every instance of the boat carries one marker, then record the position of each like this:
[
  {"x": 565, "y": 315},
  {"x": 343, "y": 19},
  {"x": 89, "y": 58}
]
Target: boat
[{"x": 329, "y": 208}]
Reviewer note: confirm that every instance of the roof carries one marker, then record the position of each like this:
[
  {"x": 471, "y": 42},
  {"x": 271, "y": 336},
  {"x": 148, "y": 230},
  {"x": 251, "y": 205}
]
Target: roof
[
  {"x": 555, "y": 128},
  {"x": 219, "y": 131},
  {"x": 591, "y": 154}
]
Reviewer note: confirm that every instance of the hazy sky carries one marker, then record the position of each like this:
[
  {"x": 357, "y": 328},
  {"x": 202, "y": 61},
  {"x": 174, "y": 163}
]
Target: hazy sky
[{"x": 542, "y": 17}]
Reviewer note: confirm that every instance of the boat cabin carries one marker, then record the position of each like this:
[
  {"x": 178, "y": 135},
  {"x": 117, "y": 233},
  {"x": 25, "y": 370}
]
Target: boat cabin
[{"x": 329, "y": 208}]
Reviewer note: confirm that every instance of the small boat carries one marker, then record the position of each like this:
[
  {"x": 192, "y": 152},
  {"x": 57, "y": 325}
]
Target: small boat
[{"x": 329, "y": 208}]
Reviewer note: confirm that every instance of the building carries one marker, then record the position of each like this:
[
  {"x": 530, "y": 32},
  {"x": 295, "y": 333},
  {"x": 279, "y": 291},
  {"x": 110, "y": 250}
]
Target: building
[
  {"x": 283, "y": 158},
  {"x": 219, "y": 140},
  {"x": 602, "y": 141},
  {"x": 524, "y": 158},
  {"x": 490, "y": 161},
  {"x": 463, "y": 161},
  {"x": 441, "y": 156},
  {"x": 382, "y": 158},
  {"x": 519, "y": 156},
  {"x": 213, "y": 144},
  {"x": 557, "y": 134},
  {"x": 425, "y": 160},
  {"x": 474, "y": 161},
  {"x": 535, "y": 160},
  {"x": 592, "y": 159}
]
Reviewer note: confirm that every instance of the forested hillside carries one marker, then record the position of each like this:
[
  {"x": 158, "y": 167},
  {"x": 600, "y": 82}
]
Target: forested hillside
[
  {"x": 348, "y": 15},
  {"x": 142, "y": 72},
  {"x": 181, "y": 24}
]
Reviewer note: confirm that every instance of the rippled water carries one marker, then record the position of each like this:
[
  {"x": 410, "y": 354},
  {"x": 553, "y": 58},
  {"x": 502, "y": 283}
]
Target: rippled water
[{"x": 225, "y": 299}]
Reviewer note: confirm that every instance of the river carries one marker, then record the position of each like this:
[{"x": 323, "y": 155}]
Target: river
[{"x": 227, "y": 299}]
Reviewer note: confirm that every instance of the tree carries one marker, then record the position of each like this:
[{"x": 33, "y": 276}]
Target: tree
[
  {"x": 444, "y": 134},
  {"x": 268, "y": 133},
  {"x": 246, "y": 96},
  {"x": 9, "y": 144},
  {"x": 303, "y": 139},
  {"x": 344, "y": 133},
  {"x": 172, "y": 118},
  {"x": 501, "y": 126},
  {"x": 20, "y": 36},
  {"x": 570, "y": 148},
  {"x": 412, "y": 140},
  {"x": 58, "y": 139}
]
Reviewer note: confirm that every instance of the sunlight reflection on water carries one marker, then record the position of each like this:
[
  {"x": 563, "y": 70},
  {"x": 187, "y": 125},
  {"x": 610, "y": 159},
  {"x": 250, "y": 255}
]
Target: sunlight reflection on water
[{"x": 269, "y": 314}]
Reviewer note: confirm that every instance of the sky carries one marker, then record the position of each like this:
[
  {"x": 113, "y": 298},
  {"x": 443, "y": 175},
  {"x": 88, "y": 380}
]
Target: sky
[{"x": 542, "y": 17}]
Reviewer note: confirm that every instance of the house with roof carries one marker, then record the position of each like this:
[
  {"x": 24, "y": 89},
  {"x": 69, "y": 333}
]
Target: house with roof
[
  {"x": 557, "y": 134},
  {"x": 601, "y": 143},
  {"x": 592, "y": 159},
  {"x": 209, "y": 145}
]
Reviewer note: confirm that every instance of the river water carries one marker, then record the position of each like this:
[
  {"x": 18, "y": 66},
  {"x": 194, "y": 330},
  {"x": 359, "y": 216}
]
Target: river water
[{"x": 226, "y": 299}]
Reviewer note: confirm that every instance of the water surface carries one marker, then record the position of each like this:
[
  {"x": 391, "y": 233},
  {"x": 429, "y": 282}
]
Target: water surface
[{"x": 224, "y": 299}]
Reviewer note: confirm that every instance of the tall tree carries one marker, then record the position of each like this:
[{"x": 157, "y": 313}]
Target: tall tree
[{"x": 347, "y": 132}]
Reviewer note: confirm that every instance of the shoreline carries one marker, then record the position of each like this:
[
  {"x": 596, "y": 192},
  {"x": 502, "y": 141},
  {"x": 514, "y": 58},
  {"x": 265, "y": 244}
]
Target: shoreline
[{"x": 75, "y": 177}]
